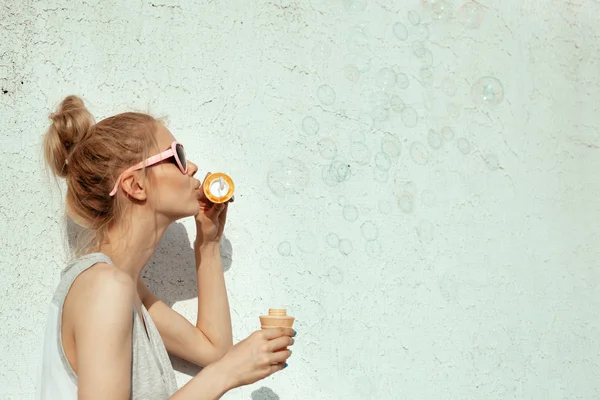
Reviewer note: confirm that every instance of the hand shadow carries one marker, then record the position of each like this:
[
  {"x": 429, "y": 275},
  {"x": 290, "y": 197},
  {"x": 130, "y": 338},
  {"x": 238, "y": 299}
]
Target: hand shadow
[
  {"x": 264, "y": 393},
  {"x": 171, "y": 275},
  {"x": 171, "y": 272}
]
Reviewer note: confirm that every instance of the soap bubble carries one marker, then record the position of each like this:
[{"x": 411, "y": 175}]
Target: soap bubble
[
  {"x": 441, "y": 10},
  {"x": 358, "y": 41},
  {"x": 422, "y": 110},
  {"x": 424, "y": 56},
  {"x": 345, "y": 247},
  {"x": 447, "y": 133},
  {"x": 355, "y": 135},
  {"x": 428, "y": 198},
  {"x": 421, "y": 32},
  {"x": 417, "y": 44},
  {"x": 400, "y": 31},
  {"x": 402, "y": 80},
  {"x": 409, "y": 117},
  {"x": 448, "y": 286},
  {"x": 380, "y": 175},
  {"x": 306, "y": 241},
  {"x": 386, "y": 78},
  {"x": 365, "y": 122},
  {"x": 360, "y": 153},
  {"x": 453, "y": 110},
  {"x": 287, "y": 177},
  {"x": 265, "y": 263},
  {"x": 419, "y": 153},
  {"x": 333, "y": 240},
  {"x": 426, "y": 75},
  {"x": 464, "y": 146},
  {"x": 381, "y": 113},
  {"x": 434, "y": 139},
  {"x": 391, "y": 145},
  {"x": 492, "y": 162},
  {"x": 355, "y": 5},
  {"x": 470, "y": 15},
  {"x": 352, "y": 73},
  {"x": 396, "y": 103},
  {"x": 350, "y": 213},
  {"x": 487, "y": 92},
  {"x": 321, "y": 51},
  {"x": 406, "y": 202},
  {"x": 407, "y": 186},
  {"x": 326, "y": 94},
  {"x": 336, "y": 172},
  {"x": 382, "y": 161},
  {"x": 373, "y": 249},
  {"x": 284, "y": 248},
  {"x": 369, "y": 231},
  {"x": 413, "y": 17},
  {"x": 327, "y": 148},
  {"x": 377, "y": 98},
  {"x": 310, "y": 126},
  {"x": 335, "y": 275},
  {"x": 363, "y": 62},
  {"x": 449, "y": 86},
  {"x": 425, "y": 231}
]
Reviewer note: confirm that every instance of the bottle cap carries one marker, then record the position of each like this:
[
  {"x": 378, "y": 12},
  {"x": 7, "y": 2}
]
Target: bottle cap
[
  {"x": 218, "y": 187},
  {"x": 277, "y": 318}
]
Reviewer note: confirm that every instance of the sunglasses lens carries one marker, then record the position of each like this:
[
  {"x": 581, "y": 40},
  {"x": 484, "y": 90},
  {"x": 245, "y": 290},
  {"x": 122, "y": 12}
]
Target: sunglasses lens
[{"x": 181, "y": 155}]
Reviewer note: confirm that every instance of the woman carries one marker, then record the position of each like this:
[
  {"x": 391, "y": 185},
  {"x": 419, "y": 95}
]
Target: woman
[{"x": 107, "y": 335}]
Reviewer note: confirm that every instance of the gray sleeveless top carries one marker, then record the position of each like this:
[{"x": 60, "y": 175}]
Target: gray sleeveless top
[{"x": 152, "y": 375}]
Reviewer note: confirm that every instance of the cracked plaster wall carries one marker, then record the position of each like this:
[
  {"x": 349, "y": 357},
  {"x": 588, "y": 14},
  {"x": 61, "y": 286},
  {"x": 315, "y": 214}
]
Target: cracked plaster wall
[{"x": 464, "y": 267}]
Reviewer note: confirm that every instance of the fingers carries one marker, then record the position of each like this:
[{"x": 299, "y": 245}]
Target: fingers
[
  {"x": 214, "y": 209},
  {"x": 280, "y": 356},
  {"x": 202, "y": 195},
  {"x": 273, "y": 333},
  {"x": 277, "y": 367},
  {"x": 280, "y": 343}
]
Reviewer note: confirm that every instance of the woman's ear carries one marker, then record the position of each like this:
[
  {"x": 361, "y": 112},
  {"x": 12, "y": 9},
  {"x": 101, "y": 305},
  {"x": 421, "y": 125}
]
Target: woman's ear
[{"x": 134, "y": 185}]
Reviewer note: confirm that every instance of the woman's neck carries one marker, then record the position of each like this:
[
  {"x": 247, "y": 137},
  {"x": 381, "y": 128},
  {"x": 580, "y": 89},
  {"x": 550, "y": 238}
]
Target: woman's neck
[{"x": 130, "y": 245}]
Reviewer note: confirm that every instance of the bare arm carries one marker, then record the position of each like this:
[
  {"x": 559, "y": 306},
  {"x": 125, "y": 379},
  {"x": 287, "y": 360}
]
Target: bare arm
[
  {"x": 180, "y": 336},
  {"x": 209, "y": 384},
  {"x": 102, "y": 329},
  {"x": 214, "y": 318},
  {"x": 211, "y": 337}
]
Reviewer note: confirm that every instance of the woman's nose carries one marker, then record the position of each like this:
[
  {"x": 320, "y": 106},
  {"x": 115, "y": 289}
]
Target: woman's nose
[{"x": 192, "y": 168}]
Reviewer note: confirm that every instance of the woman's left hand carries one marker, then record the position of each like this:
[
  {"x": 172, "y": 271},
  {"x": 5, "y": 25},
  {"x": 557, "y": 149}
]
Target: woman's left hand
[{"x": 210, "y": 221}]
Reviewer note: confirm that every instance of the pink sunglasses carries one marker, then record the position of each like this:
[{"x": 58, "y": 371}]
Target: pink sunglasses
[{"x": 176, "y": 151}]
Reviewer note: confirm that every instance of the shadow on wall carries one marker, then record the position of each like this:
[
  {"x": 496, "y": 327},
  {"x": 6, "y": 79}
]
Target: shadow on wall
[
  {"x": 171, "y": 275},
  {"x": 264, "y": 393},
  {"x": 171, "y": 272}
]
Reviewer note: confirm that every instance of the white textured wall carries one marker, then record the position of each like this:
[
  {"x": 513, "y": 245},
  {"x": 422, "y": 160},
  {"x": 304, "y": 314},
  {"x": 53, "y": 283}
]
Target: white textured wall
[{"x": 480, "y": 276}]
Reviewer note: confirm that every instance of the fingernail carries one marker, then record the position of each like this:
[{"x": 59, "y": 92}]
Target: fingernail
[
  {"x": 294, "y": 332},
  {"x": 285, "y": 365},
  {"x": 290, "y": 352}
]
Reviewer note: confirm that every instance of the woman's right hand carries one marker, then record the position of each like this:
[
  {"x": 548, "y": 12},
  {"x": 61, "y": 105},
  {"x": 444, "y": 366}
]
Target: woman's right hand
[{"x": 261, "y": 354}]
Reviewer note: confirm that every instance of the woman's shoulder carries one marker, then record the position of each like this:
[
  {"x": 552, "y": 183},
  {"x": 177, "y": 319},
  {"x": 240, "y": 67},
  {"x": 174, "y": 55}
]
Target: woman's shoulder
[{"x": 102, "y": 290}]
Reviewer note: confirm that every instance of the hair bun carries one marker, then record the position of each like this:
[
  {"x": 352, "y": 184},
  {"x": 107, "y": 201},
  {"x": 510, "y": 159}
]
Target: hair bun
[{"x": 70, "y": 123}]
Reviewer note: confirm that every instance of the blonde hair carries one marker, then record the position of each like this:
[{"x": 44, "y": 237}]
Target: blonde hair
[{"x": 90, "y": 156}]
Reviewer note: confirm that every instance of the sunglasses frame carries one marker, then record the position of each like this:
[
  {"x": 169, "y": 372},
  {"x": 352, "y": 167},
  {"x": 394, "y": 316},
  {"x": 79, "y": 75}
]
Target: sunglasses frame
[{"x": 171, "y": 152}]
